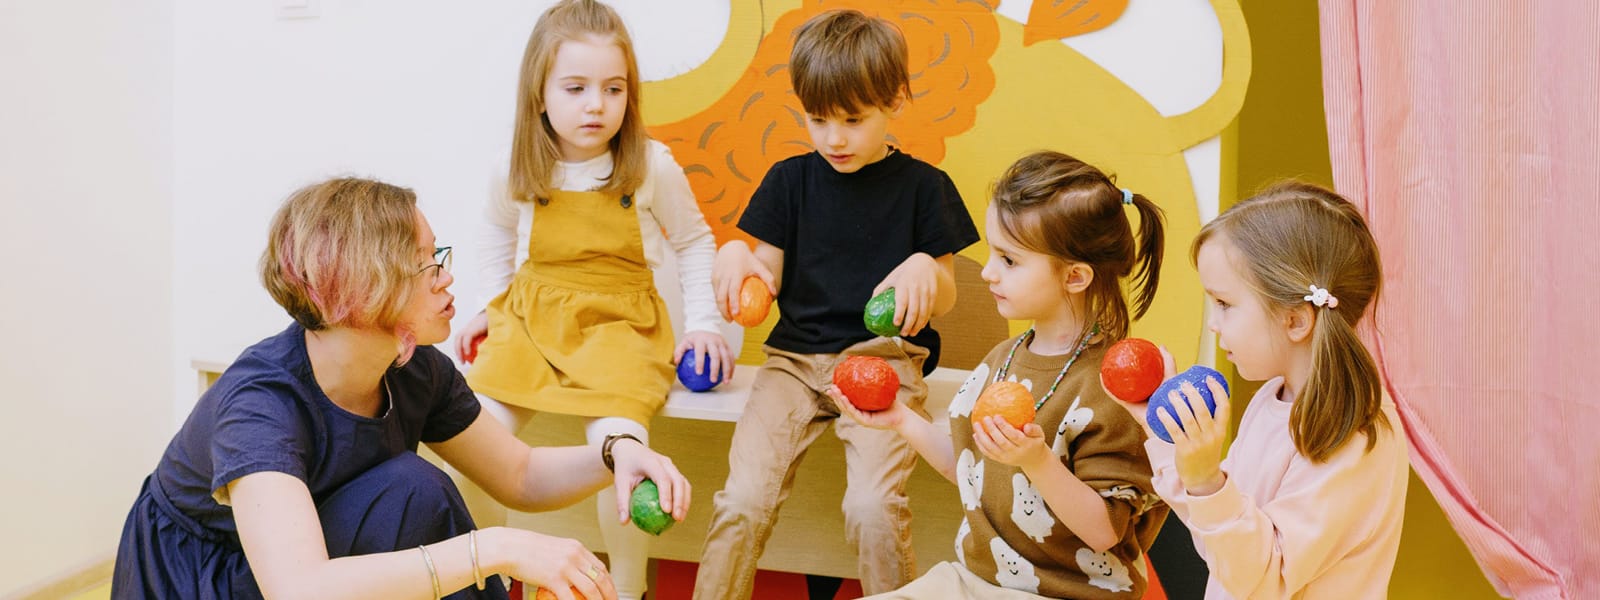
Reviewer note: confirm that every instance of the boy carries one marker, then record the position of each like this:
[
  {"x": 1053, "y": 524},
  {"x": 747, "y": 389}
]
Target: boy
[{"x": 833, "y": 228}]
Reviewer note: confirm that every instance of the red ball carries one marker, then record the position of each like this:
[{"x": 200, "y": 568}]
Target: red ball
[
  {"x": 1132, "y": 370},
  {"x": 868, "y": 382},
  {"x": 472, "y": 349}
]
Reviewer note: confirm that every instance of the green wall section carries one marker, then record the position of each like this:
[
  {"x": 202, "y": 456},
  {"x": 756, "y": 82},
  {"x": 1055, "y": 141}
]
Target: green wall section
[{"x": 1281, "y": 133}]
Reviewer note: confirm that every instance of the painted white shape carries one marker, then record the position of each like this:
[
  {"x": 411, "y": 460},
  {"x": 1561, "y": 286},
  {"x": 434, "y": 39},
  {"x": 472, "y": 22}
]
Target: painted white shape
[
  {"x": 673, "y": 39},
  {"x": 1205, "y": 174},
  {"x": 1169, "y": 51}
]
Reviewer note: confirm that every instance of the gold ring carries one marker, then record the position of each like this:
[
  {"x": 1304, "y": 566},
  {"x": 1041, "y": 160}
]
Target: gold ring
[{"x": 594, "y": 573}]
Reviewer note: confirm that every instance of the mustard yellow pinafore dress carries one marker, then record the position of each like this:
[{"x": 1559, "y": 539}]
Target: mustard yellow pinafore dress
[{"x": 581, "y": 329}]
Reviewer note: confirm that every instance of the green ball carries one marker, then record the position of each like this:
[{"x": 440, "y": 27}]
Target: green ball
[
  {"x": 645, "y": 509},
  {"x": 879, "y": 315}
]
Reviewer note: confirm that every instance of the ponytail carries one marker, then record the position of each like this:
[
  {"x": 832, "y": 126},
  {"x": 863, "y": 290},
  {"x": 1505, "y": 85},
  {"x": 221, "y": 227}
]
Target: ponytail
[
  {"x": 1294, "y": 237},
  {"x": 1152, "y": 242},
  {"x": 1343, "y": 394},
  {"x": 1062, "y": 207}
]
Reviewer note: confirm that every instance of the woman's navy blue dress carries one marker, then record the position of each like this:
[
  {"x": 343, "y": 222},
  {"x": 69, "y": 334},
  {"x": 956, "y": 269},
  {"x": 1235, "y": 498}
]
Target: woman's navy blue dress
[{"x": 266, "y": 413}]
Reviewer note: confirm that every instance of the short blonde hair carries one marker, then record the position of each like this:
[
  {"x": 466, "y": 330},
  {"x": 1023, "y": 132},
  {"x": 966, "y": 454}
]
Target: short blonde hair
[
  {"x": 535, "y": 148},
  {"x": 342, "y": 253},
  {"x": 844, "y": 60}
]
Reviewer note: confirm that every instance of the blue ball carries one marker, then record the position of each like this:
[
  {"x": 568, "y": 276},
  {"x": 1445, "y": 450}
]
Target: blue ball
[
  {"x": 1196, "y": 376},
  {"x": 697, "y": 383}
]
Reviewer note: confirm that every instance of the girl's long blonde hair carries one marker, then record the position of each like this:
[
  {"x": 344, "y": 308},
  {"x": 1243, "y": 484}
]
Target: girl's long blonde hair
[
  {"x": 535, "y": 149},
  {"x": 1292, "y": 236}
]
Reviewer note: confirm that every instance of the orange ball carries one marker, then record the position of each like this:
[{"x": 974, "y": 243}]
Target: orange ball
[
  {"x": 545, "y": 594},
  {"x": 754, "y": 301},
  {"x": 1008, "y": 400},
  {"x": 868, "y": 382}
]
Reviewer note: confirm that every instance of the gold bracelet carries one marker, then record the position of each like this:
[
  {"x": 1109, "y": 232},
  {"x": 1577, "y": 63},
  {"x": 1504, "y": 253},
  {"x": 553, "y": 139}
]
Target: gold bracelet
[
  {"x": 472, "y": 543},
  {"x": 432, "y": 574}
]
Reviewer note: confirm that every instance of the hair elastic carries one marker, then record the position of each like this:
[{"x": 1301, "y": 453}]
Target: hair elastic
[
  {"x": 1321, "y": 297},
  {"x": 1127, "y": 196}
]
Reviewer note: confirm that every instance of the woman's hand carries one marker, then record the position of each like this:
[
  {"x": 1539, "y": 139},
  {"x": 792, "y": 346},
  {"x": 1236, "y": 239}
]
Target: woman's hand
[
  {"x": 557, "y": 564},
  {"x": 705, "y": 343},
  {"x": 635, "y": 463}
]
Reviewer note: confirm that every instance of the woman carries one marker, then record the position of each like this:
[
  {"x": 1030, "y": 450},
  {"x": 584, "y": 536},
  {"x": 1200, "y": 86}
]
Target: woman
[{"x": 296, "y": 474}]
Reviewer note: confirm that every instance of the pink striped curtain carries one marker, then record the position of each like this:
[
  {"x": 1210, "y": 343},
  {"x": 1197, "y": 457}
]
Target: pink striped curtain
[{"x": 1469, "y": 130}]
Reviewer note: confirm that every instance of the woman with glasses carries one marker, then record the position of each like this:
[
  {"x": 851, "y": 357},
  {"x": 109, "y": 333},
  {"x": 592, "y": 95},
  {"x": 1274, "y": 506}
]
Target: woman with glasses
[{"x": 296, "y": 475}]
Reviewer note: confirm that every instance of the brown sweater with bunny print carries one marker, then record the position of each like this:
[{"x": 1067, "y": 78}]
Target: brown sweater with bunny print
[{"x": 1009, "y": 536}]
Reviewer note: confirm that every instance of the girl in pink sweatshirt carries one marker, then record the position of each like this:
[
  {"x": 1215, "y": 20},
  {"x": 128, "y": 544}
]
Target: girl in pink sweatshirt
[{"x": 1309, "y": 501}]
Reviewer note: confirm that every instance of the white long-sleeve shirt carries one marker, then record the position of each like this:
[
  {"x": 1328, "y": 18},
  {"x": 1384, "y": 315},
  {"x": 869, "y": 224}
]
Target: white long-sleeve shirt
[
  {"x": 1282, "y": 526},
  {"x": 663, "y": 202}
]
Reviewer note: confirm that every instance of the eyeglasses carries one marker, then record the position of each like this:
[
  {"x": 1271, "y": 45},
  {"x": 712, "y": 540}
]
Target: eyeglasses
[{"x": 441, "y": 263}]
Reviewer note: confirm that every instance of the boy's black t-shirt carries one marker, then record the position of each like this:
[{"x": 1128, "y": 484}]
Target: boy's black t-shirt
[{"x": 842, "y": 233}]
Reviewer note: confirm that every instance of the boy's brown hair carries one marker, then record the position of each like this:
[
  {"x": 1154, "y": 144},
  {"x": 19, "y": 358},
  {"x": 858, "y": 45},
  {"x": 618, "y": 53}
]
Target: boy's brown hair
[{"x": 844, "y": 61}]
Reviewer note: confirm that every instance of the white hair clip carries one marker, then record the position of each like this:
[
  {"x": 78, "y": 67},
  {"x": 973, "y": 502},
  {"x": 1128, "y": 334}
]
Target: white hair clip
[{"x": 1321, "y": 297}]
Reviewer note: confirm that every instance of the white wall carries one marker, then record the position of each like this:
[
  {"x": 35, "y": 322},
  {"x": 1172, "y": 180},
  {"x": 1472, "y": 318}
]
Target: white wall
[
  {"x": 86, "y": 282},
  {"x": 418, "y": 94}
]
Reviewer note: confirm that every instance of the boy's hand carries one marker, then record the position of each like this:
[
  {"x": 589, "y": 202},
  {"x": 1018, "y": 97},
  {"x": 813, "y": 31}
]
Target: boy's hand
[
  {"x": 705, "y": 343},
  {"x": 916, "y": 289},
  {"x": 733, "y": 264},
  {"x": 888, "y": 418},
  {"x": 1002, "y": 443}
]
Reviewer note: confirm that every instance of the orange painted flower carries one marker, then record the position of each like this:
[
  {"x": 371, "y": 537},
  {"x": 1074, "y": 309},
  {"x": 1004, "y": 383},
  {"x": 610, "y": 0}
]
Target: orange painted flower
[{"x": 1058, "y": 19}]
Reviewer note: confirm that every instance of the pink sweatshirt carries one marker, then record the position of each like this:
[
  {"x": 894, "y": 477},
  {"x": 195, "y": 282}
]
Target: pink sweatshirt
[{"x": 1284, "y": 527}]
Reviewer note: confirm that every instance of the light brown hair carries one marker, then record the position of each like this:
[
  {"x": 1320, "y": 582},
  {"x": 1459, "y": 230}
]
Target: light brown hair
[
  {"x": 342, "y": 253},
  {"x": 844, "y": 60},
  {"x": 535, "y": 149},
  {"x": 1062, "y": 207},
  {"x": 1289, "y": 237}
]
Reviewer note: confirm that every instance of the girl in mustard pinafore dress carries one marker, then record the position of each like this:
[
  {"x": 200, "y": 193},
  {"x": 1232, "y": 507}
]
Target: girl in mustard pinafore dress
[{"x": 578, "y": 328}]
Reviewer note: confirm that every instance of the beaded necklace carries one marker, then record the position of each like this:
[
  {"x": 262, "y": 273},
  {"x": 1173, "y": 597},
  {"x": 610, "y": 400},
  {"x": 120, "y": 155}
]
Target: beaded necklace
[{"x": 1022, "y": 339}]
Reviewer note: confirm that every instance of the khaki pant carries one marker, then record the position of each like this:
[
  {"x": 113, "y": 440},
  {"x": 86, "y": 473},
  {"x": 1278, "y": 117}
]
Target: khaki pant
[
  {"x": 953, "y": 581},
  {"x": 786, "y": 412}
]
